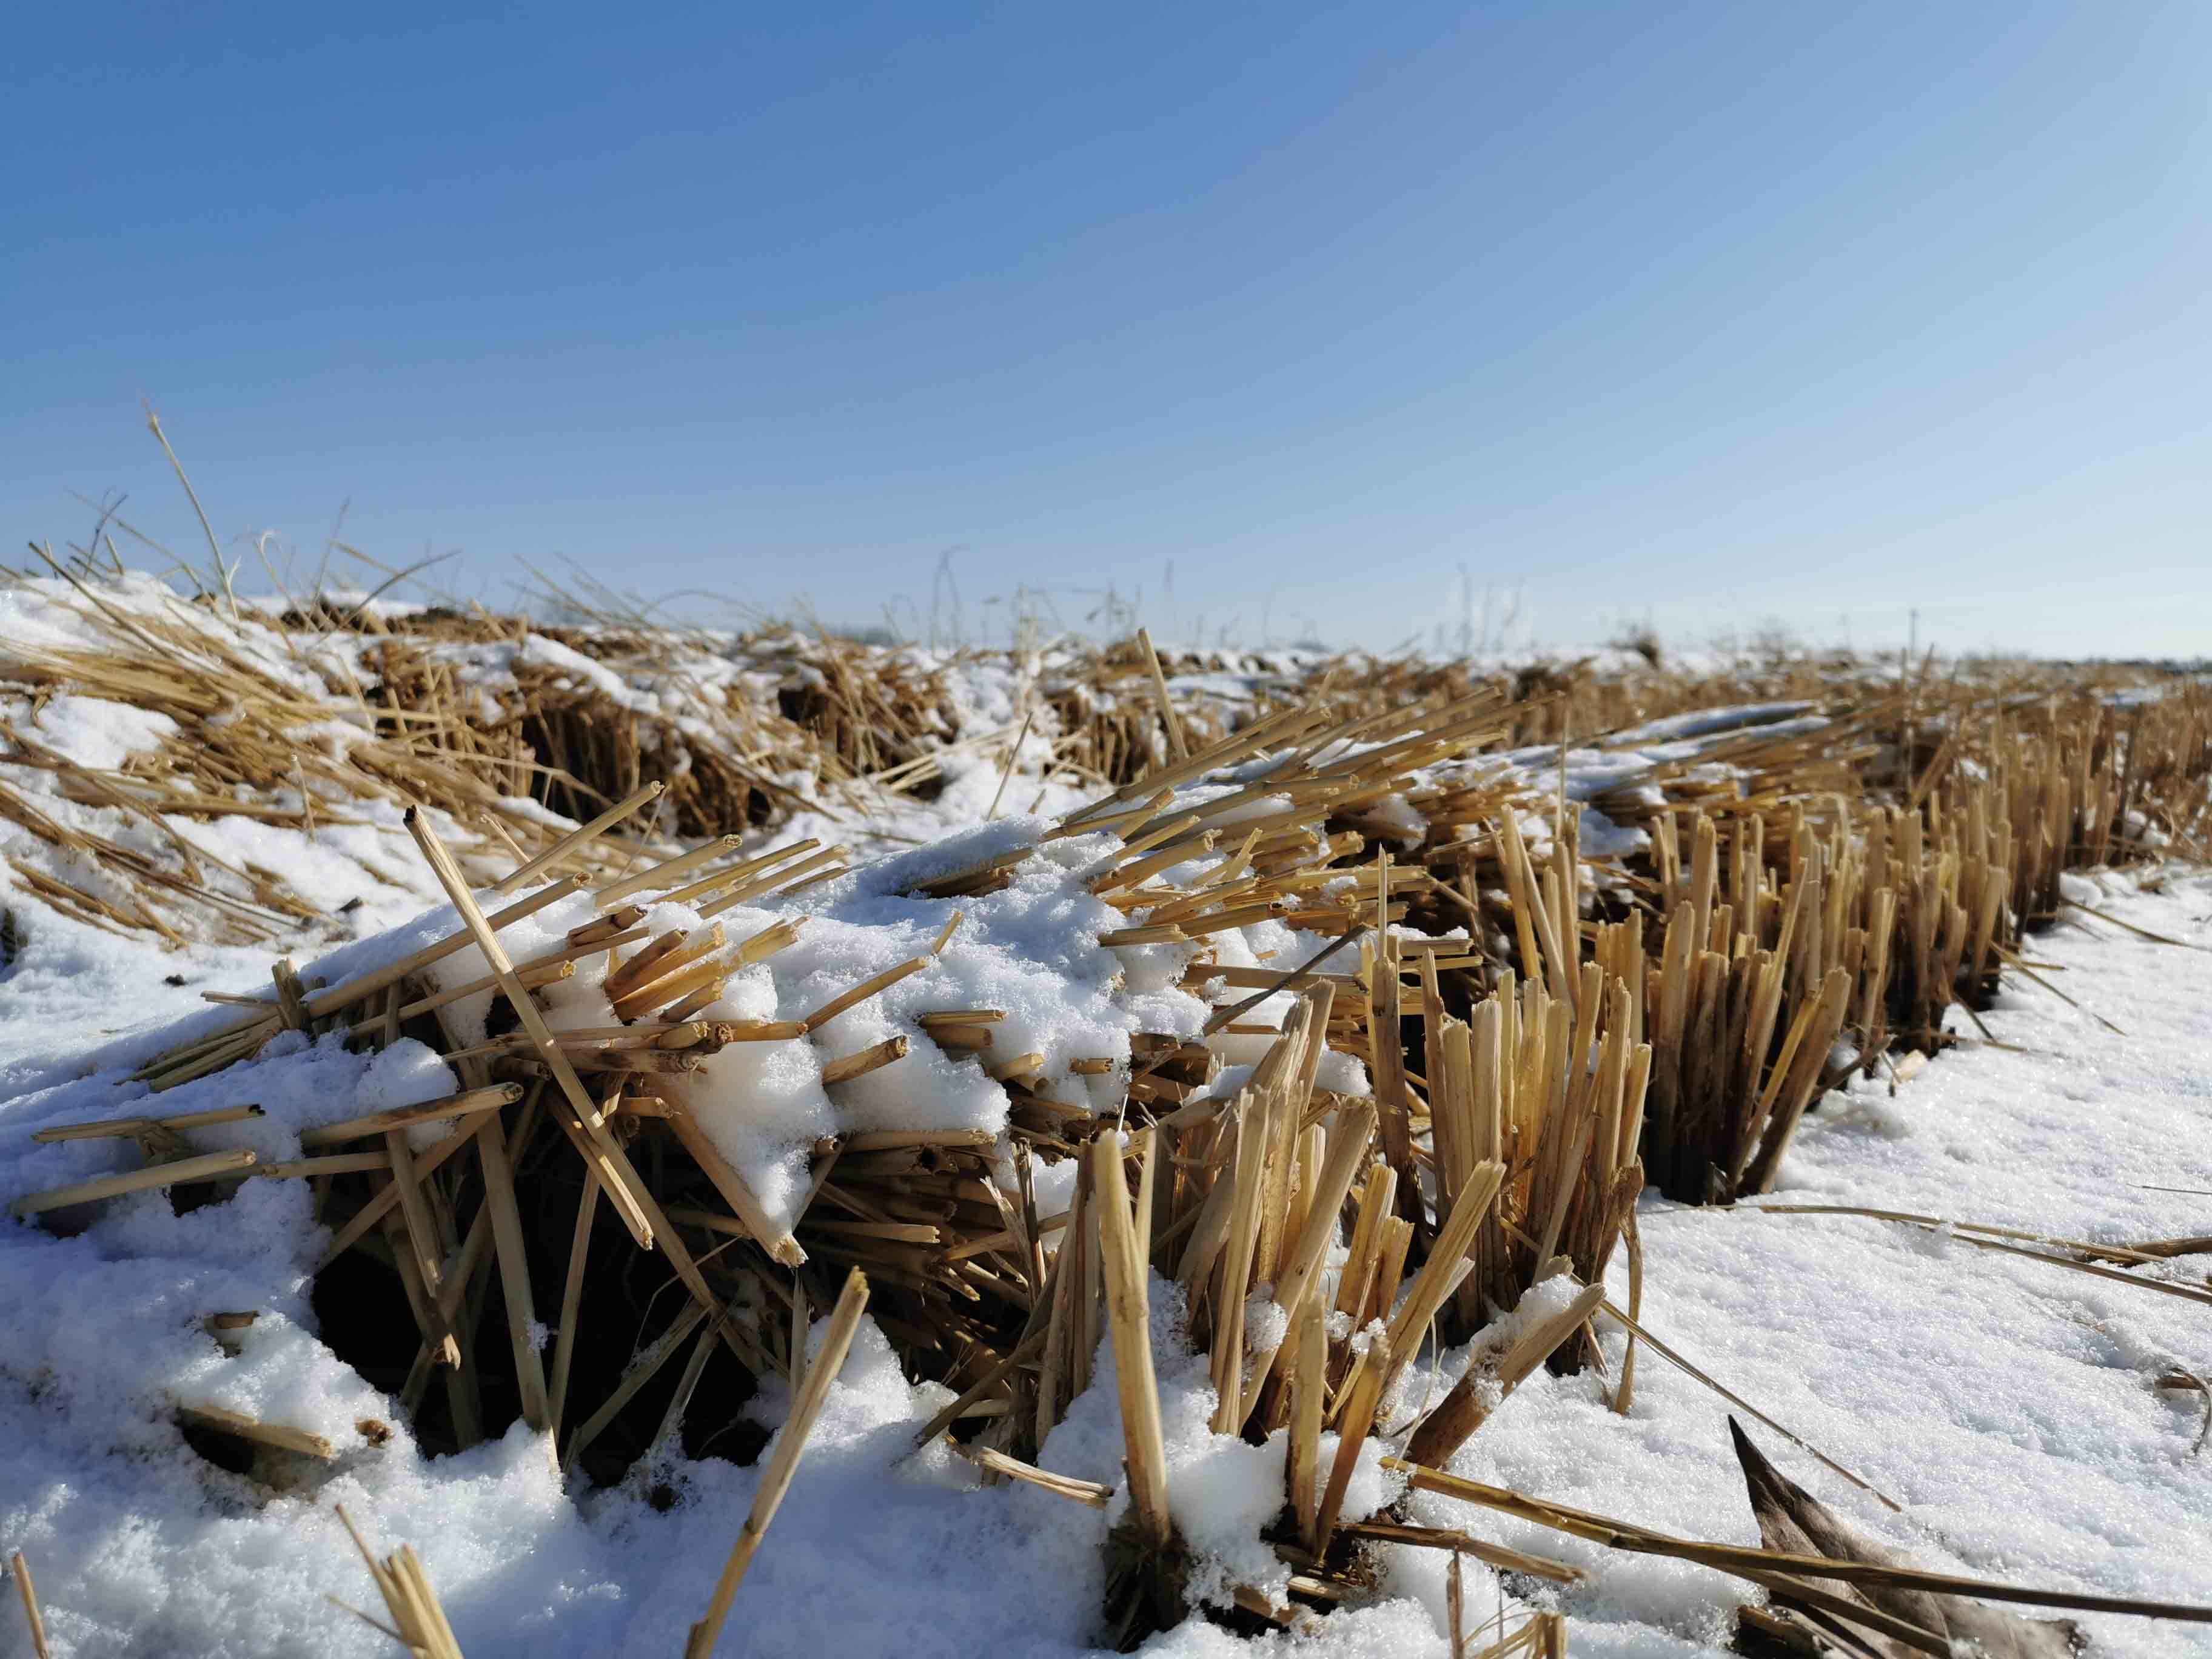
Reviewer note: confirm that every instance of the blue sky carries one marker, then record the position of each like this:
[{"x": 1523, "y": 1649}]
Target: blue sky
[{"x": 1706, "y": 315}]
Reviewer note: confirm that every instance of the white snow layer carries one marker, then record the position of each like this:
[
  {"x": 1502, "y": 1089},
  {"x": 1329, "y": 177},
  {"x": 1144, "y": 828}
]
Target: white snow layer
[{"x": 2010, "y": 1408}]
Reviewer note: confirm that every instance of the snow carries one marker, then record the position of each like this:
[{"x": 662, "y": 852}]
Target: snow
[
  {"x": 98, "y": 733},
  {"x": 2009, "y": 1407}
]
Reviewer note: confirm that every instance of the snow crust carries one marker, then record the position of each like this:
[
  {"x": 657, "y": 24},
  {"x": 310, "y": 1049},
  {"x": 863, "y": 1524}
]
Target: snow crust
[{"x": 2009, "y": 1407}]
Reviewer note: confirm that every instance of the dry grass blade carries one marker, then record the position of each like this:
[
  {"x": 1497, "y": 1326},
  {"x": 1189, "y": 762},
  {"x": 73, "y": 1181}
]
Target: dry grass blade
[
  {"x": 124, "y": 1128},
  {"x": 28, "y": 1593},
  {"x": 776, "y": 1480},
  {"x": 514, "y": 1272},
  {"x": 1961, "y": 1234},
  {"x": 1089, "y": 1493},
  {"x": 2153, "y": 1250},
  {"x": 1478, "y": 1393},
  {"x": 593, "y": 1139},
  {"x": 1490, "y": 1554},
  {"x": 1741, "y": 1560},
  {"x": 582, "y": 836},
  {"x": 1129, "y": 1307},
  {"x": 418, "y": 1620},
  {"x": 776, "y": 1240},
  {"x": 171, "y": 1174},
  {"x": 1176, "y": 746},
  {"x": 1743, "y": 1405},
  {"x": 1353, "y": 1426}
]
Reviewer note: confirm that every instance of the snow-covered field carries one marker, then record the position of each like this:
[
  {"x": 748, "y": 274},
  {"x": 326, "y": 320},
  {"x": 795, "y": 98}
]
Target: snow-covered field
[
  {"x": 2009, "y": 1409},
  {"x": 2022, "y": 1418}
]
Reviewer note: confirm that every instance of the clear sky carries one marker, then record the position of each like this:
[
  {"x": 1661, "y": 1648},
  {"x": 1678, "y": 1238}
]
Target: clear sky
[{"x": 1706, "y": 315}]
